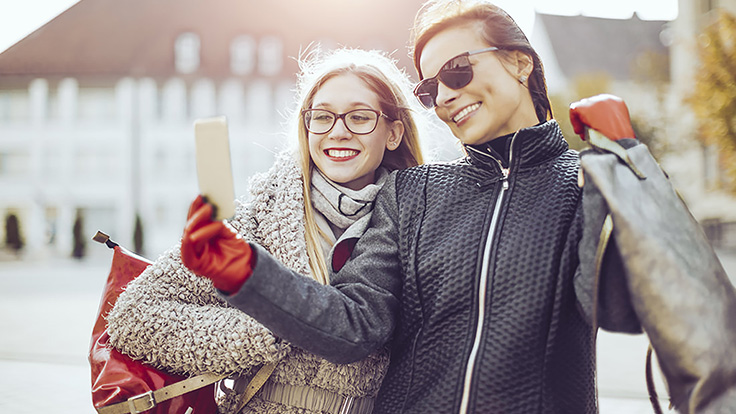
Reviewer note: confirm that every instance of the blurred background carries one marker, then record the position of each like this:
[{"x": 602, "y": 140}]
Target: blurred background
[{"x": 98, "y": 100}]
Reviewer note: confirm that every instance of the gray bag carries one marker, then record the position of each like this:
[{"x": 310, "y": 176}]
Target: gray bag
[{"x": 676, "y": 285}]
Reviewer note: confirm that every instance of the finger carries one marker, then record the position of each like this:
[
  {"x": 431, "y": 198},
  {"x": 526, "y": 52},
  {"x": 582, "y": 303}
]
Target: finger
[
  {"x": 196, "y": 204},
  {"x": 199, "y": 218},
  {"x": 196, "y": 241},
  {"x": 206, "y": 233}
]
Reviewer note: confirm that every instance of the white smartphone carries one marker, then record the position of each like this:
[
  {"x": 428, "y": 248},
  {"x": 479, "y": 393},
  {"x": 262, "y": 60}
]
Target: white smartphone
[{"x": 214, "y": 170}]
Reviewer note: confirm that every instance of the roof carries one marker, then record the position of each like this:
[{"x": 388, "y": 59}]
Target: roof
[
  {"x": 136, "y": 37},
  {"x": 585, "y": 44}
]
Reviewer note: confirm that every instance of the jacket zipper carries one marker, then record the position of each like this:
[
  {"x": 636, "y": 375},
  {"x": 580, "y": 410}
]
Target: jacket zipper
[{"x": 465, "y": 400}]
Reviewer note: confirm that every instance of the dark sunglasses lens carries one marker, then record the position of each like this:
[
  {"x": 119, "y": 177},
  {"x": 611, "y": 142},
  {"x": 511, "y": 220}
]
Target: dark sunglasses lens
[
  {"x": 426, "y": 92},
  {"x": 456, "y": 73},
  {"x": 457, "y": 78}
]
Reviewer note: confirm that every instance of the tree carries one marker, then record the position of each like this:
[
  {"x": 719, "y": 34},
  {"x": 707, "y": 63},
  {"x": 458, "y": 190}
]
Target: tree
[
  {"x": 714, "y": 98},
  {"x": 583, "y": 87},
  {"x": 647, "y": 130}
]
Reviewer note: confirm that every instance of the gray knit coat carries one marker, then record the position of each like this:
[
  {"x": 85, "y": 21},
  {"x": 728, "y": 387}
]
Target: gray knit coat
[{"x": 175, "y": 320}]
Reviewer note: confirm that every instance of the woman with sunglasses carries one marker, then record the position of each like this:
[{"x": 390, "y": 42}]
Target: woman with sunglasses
[
  {"x": 354, "y": 126},
  {"x": 469, "y": 270}
]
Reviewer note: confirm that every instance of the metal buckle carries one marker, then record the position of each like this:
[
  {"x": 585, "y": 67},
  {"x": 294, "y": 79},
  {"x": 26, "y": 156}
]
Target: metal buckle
[{"x": 150, "y": 401}]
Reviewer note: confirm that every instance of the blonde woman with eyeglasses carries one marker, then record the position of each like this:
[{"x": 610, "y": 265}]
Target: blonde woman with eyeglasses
[{"x": 354, "y": 126}]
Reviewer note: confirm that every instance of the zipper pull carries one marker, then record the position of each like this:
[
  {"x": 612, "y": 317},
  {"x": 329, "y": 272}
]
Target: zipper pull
[{"x": 505, "y": 179}]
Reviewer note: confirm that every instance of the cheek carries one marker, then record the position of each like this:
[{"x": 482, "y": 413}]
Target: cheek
[
  {"x": 314, "y": 151},
  {"x": 313, "y": 143},
  {"x": 442, "y": 115},
  {"x": 376, "y": 146}
]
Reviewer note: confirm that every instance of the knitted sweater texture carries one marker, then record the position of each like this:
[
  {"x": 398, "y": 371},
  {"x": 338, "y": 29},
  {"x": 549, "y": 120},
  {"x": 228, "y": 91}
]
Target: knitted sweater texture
[{"x": 175, "y": 320}]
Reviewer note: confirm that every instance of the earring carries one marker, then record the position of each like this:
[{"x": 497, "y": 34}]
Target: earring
[{"x": 522, "y": 79}]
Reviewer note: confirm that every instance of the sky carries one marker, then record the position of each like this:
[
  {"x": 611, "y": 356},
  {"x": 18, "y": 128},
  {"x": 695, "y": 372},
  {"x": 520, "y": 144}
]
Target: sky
[{"x": 19, "y": 18}]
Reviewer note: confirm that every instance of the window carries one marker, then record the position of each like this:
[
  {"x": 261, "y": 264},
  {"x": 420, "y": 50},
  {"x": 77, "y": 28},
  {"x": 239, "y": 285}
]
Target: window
[
  {"x": 14, "y": 105},
  {"x": 270, "y": 56},
  {"x": 242, "y": 55},
  {"x": 708, "y": 5},
  {"x": 186, "y": 53}
]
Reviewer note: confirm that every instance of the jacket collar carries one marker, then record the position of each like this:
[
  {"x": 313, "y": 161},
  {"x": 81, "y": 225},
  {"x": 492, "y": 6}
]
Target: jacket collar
[{"x": 529, "y": 147}]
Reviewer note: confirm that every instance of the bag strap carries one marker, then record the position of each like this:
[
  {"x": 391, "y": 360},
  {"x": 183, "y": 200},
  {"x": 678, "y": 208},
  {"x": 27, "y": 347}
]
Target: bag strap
[
  {"x": 651, "y": 388},
  {"x": 256, "y": 383},
  {"x": 150, "y": 399}
]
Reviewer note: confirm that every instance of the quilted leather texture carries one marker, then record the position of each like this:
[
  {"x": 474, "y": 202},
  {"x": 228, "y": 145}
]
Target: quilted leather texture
[{"x": 535, "y": 352}]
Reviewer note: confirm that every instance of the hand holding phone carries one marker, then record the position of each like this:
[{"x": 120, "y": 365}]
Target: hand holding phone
[{"x": 214, "y": 170}]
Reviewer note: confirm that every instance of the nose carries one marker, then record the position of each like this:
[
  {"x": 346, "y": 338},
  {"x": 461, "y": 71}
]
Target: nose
[
  {"x": 445, "y": 95},
  {"x": 339, "y": 130}
]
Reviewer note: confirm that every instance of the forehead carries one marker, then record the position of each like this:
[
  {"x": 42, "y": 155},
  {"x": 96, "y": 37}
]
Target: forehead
[
  {"x": 447, "y": 44},
  {"x": 344, "y": 91}
]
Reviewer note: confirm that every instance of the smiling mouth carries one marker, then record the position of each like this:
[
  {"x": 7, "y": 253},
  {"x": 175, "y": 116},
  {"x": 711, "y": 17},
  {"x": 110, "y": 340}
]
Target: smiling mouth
[
  {"x": 465, "y": 112},
  {"x": 341, "y": 153}
]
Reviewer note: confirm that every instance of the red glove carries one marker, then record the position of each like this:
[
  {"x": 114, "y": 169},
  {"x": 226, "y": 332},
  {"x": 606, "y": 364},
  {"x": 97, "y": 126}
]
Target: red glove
[
  {"x": 214, "y": 250},
  {"x": 605, "y": 113}
]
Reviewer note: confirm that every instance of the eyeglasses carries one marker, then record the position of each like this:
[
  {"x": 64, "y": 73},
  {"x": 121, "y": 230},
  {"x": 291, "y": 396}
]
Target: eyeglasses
[
  {"x": 357, "y": 121},
  {"x": 454, "y": 74}
]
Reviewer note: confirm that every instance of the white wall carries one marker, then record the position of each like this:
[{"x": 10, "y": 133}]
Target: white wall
[{"x": 111, "y": 151}]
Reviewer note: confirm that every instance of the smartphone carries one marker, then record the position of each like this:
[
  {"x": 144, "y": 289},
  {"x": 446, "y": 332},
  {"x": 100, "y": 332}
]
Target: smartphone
[{"x": 214, "y": 170}]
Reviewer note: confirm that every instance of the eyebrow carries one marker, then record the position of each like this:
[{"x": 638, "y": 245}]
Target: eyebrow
[{"x": 351, "y": 104}]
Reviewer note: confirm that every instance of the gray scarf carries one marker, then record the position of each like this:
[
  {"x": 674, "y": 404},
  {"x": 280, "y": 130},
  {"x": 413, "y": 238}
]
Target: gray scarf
[{"x": 340, "y": 205}]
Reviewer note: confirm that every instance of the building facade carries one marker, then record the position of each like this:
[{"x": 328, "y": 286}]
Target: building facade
[
  {"x": 652, "y": 65},
  {"x": 97, "y": 106}
]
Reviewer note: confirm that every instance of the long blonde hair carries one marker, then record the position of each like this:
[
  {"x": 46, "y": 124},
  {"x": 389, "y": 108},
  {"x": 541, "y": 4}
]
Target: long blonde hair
[{"x": 393, "y": 88}]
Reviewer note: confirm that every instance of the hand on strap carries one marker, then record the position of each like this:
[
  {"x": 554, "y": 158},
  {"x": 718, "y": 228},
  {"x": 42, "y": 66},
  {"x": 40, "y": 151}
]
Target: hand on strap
[
  {"x": 214, "y": 250},
  {"x": 604, "y": 113}
]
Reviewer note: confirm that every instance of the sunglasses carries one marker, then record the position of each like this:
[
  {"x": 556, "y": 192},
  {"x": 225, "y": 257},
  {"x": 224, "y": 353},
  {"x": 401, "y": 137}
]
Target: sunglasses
[{"x": 454, "y": 74}]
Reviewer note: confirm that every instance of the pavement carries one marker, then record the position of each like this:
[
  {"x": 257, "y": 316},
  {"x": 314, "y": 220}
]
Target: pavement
[{"x": 48, "y": 307}]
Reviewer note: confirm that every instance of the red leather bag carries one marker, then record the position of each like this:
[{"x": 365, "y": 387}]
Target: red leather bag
[{"x": 122, "y": 385}]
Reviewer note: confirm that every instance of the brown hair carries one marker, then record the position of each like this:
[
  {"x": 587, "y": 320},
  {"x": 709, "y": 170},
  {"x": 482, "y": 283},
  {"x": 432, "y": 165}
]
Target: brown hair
[
  {"x": 496, "y": 27},
  {"x": 391, "y": 86}
]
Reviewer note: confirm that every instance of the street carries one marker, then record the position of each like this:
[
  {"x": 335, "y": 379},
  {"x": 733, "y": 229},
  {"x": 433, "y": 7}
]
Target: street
[{"x": 48, "y": 308}]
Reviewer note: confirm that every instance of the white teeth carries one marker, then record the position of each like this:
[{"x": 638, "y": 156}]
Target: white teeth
[
  {"x": 341, "y": 153},
  {"x": 468, "y": 109}
]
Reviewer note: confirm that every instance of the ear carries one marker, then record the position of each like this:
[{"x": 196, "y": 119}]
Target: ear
[
  {"x": 395, "y": 135},
  {"x": 523, "y": 64}
]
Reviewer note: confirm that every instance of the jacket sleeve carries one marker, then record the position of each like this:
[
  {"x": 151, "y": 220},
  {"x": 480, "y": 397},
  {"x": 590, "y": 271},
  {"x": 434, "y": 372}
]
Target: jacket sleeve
[
  {"x": 615, "y": 310},
  {"x": 173, "y": 319},
  {"x": 349, "y": 319}
]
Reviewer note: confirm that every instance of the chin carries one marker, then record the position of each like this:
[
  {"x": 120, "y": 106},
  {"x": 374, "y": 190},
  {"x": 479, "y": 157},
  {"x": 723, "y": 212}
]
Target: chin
[{"x": 470, "y": 139}]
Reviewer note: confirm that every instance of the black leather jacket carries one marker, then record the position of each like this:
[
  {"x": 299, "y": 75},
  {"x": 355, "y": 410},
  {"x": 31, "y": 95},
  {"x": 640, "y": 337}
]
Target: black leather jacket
[{"x": 467, "y": 275}]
